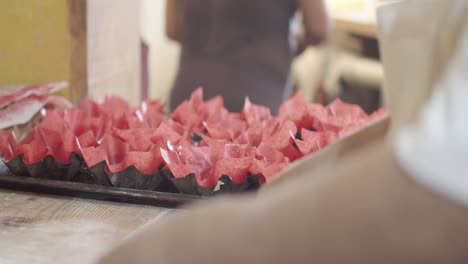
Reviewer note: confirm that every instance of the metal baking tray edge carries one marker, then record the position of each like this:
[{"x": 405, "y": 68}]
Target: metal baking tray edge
[{"x": 96, "y": 192}]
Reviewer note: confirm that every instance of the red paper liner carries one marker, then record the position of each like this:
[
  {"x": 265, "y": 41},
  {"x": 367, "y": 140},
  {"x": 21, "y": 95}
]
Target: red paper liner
[
  {"x": 9, "y": 95},
  {"x": 198, "y": 149}
]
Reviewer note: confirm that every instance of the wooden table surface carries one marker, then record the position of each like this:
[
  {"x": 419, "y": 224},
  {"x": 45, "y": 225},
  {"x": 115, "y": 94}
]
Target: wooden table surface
[{"x": 37, "y": 229}]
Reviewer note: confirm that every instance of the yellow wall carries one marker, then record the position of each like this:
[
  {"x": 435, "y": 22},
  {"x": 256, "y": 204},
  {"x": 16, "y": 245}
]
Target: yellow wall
[{"x": 35, "y": 44}]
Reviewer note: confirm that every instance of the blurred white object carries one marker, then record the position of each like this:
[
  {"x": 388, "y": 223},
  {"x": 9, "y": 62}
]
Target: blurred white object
[
  {"x": 434, "y": 147},
  {"x": 164, "y": 53}
]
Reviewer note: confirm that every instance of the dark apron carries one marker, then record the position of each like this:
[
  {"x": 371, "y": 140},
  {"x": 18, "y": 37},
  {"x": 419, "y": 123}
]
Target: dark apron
[{"x": 235, "y": 48}]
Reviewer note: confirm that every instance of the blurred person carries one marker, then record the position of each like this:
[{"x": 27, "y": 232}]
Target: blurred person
[
  {"x": 240, "y": 48},
  {"x": 405, "y": 202}
]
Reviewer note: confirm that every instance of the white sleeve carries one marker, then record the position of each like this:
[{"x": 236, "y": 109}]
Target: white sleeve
[{"x": 435, "y": 150}]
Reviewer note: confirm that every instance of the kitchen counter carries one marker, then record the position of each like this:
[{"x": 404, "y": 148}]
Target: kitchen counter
[{"x": 50, "y": 229}]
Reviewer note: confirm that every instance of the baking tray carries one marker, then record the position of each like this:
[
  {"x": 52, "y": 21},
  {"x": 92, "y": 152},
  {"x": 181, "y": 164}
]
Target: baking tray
[{"x": 96, "y": 192}]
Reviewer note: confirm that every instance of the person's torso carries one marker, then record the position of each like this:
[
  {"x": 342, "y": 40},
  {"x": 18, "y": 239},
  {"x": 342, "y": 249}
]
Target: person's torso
[
  {"x": 238, "y": 30},
  {"x": 235, "y": 44}
]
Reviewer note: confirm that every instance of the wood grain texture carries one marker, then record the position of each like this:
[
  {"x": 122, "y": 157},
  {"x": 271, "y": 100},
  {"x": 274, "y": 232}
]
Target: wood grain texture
[
  {"x": 48, "y": 229},
  {"x": 78, "y": 64}
]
